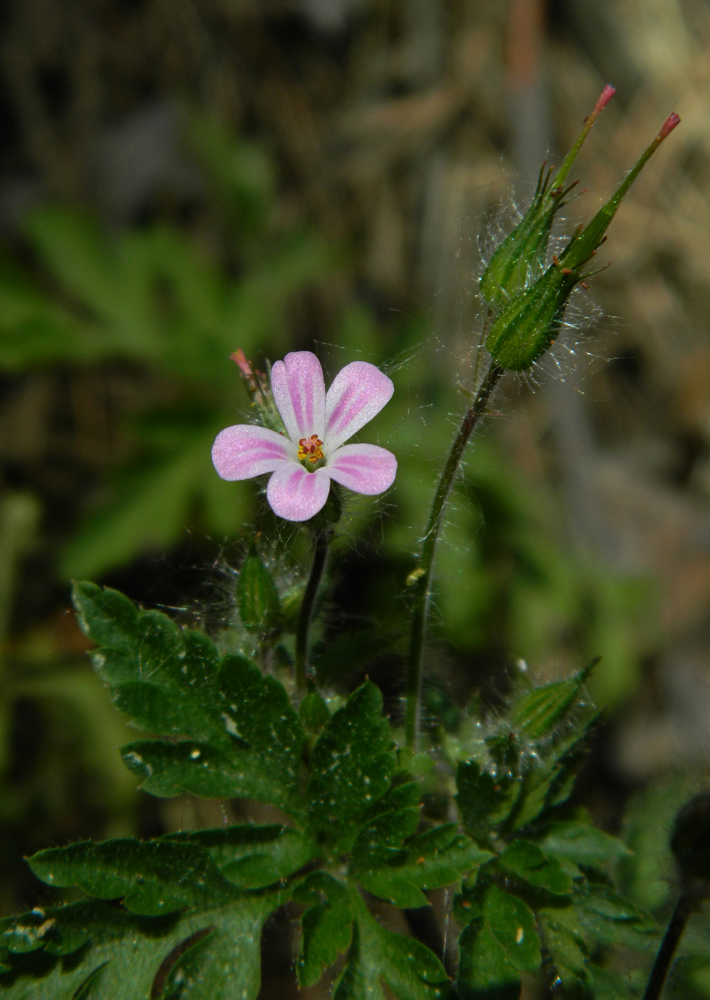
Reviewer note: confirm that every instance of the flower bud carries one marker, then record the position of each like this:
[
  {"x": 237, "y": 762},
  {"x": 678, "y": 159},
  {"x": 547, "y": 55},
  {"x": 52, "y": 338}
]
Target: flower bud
[
  {"x": 520, "y": 259},
  {"x": 530, "y": 322}
]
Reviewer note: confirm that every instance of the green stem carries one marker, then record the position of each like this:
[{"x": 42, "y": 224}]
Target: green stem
[
  {"x": 687, "y": 902},
  {"x": 423, "y": 573},
  {"x": 320, "y": 557}
]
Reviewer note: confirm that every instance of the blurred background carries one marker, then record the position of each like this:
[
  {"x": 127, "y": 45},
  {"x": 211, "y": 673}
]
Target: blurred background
[{"x": 180, "y": 178}]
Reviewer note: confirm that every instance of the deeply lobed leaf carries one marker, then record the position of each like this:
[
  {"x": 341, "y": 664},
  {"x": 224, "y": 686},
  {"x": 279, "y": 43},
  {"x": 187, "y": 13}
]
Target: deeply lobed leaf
[
  {"x": 240, "y": 734},
  {"x": 352, "y": 765}
]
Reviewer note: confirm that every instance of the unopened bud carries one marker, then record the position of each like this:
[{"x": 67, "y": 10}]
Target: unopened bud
[{"x": 520, "y": 259}]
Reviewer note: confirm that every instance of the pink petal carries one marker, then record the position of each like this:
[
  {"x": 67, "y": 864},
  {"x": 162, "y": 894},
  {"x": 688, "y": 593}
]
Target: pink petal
[
  {"x": 299, "y": 393},
  {"x": 244, "y": 451},
  {"x": 358, "y": 393},
  {"x": 363, "y": 468},
  {"x": 296, "y": 494}
]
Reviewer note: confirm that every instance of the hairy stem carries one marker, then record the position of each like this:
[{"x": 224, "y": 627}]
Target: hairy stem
[
  {"x": 422, "y": 575},
  {"x": 687, "y": 902},
  {"x": 320, "y": 557}
]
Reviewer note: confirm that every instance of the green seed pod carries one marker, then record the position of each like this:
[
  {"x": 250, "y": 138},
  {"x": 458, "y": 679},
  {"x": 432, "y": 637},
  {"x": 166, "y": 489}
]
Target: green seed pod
[
  {"x": 582, "y": 248},
  {"x": 520, "y": 259},
  {"x": 529, "y": 325},
  {"x": 530, "y": 322}
]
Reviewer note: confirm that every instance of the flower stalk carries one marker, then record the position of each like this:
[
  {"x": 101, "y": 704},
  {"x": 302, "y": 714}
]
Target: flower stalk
[
  {"x": 323, "y": 538},
  {"x": 421, "y": 577},
  {"x": 687, "y": 903}
]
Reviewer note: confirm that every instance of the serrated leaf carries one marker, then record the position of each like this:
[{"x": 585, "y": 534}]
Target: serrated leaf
[
  {"x": 257, "y": 596},
  {"x": 563, "y": 938},
  {"x": 225, "y": 964},
  {"x": 433, "y": 859},
  {"x": 498, "y": 944},
  {"x": 525, "y": 860},
  {"x": 252, "y": 857},
  {"x": 389, "y": 823},
  {"x": 352, "y": 764},
  {"x": 117, "y": 954},
  {"x": 483, "y": 802},
  {"x": 159, "y": 675},
  {"x": 326, "y": 926},
  {"x": 241, "y": 735},
  {"x": 378, "y": 956},
  {"x": 152, "y": 877},
  {"x": 607, "y": 918},
  {"x": 582, "y": 843}
]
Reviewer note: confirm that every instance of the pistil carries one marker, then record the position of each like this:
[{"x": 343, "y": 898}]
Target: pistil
[{"x": 310, "y": 450}]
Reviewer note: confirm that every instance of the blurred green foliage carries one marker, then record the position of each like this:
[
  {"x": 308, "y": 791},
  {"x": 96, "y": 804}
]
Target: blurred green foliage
[{"x": 152, "y": 298}]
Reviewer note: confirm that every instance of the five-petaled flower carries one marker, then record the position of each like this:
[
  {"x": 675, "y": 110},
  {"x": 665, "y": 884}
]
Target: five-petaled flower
[{"x": 317, "y": 423}]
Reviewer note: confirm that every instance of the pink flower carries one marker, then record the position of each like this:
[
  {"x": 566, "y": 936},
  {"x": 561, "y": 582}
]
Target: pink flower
[{"x": 318, "y": 424}]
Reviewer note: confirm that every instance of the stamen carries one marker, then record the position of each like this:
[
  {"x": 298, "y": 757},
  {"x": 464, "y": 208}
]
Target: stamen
[{"x": 310, "y": 448}]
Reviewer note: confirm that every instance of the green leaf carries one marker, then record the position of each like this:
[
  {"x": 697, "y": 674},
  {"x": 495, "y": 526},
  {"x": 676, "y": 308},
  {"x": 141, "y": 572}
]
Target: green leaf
[
  {"x": 113, "y": 953},
  {"x": 241, "y": 735},
  {"x": 525, "y": 860},
  {"x": 433, "y": 859},
  {"x": 352, "y": 764},
  {"x": 187, "y": 872},
  {"x": 326, "y": 926},
  {"x": 314, "y": 711},
  {"x": 252, "y": 857},
  {"x": 152, "y": 877},
  {"x": 483, "y": 802},
  {"x": 226, "y": 963},
  {"x": 381, "y": 838},
  {"x": 582, "y": 843},
  {"x": 377, "y": 955},
  {"x": 563, "y": 937},
  {"x": 607, "y": 918},
  {"x": 537, "y": 713},
  {"x": 257, "y": 596},
  {"x": 497, "y": 945},
  {"x": 607, "y": 986},
  {"x": 550, "y": 780}
]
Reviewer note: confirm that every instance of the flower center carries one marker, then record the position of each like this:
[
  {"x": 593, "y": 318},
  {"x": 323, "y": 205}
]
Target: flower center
[{"x": 310, "y": 450}]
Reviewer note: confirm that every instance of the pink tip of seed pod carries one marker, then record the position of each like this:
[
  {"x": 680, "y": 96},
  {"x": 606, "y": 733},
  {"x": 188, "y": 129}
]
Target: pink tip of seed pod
[
  {"x": 604, "y": 98},
  {"x": 669, "y": 124},
  {"x": 239, "y": 358}
]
